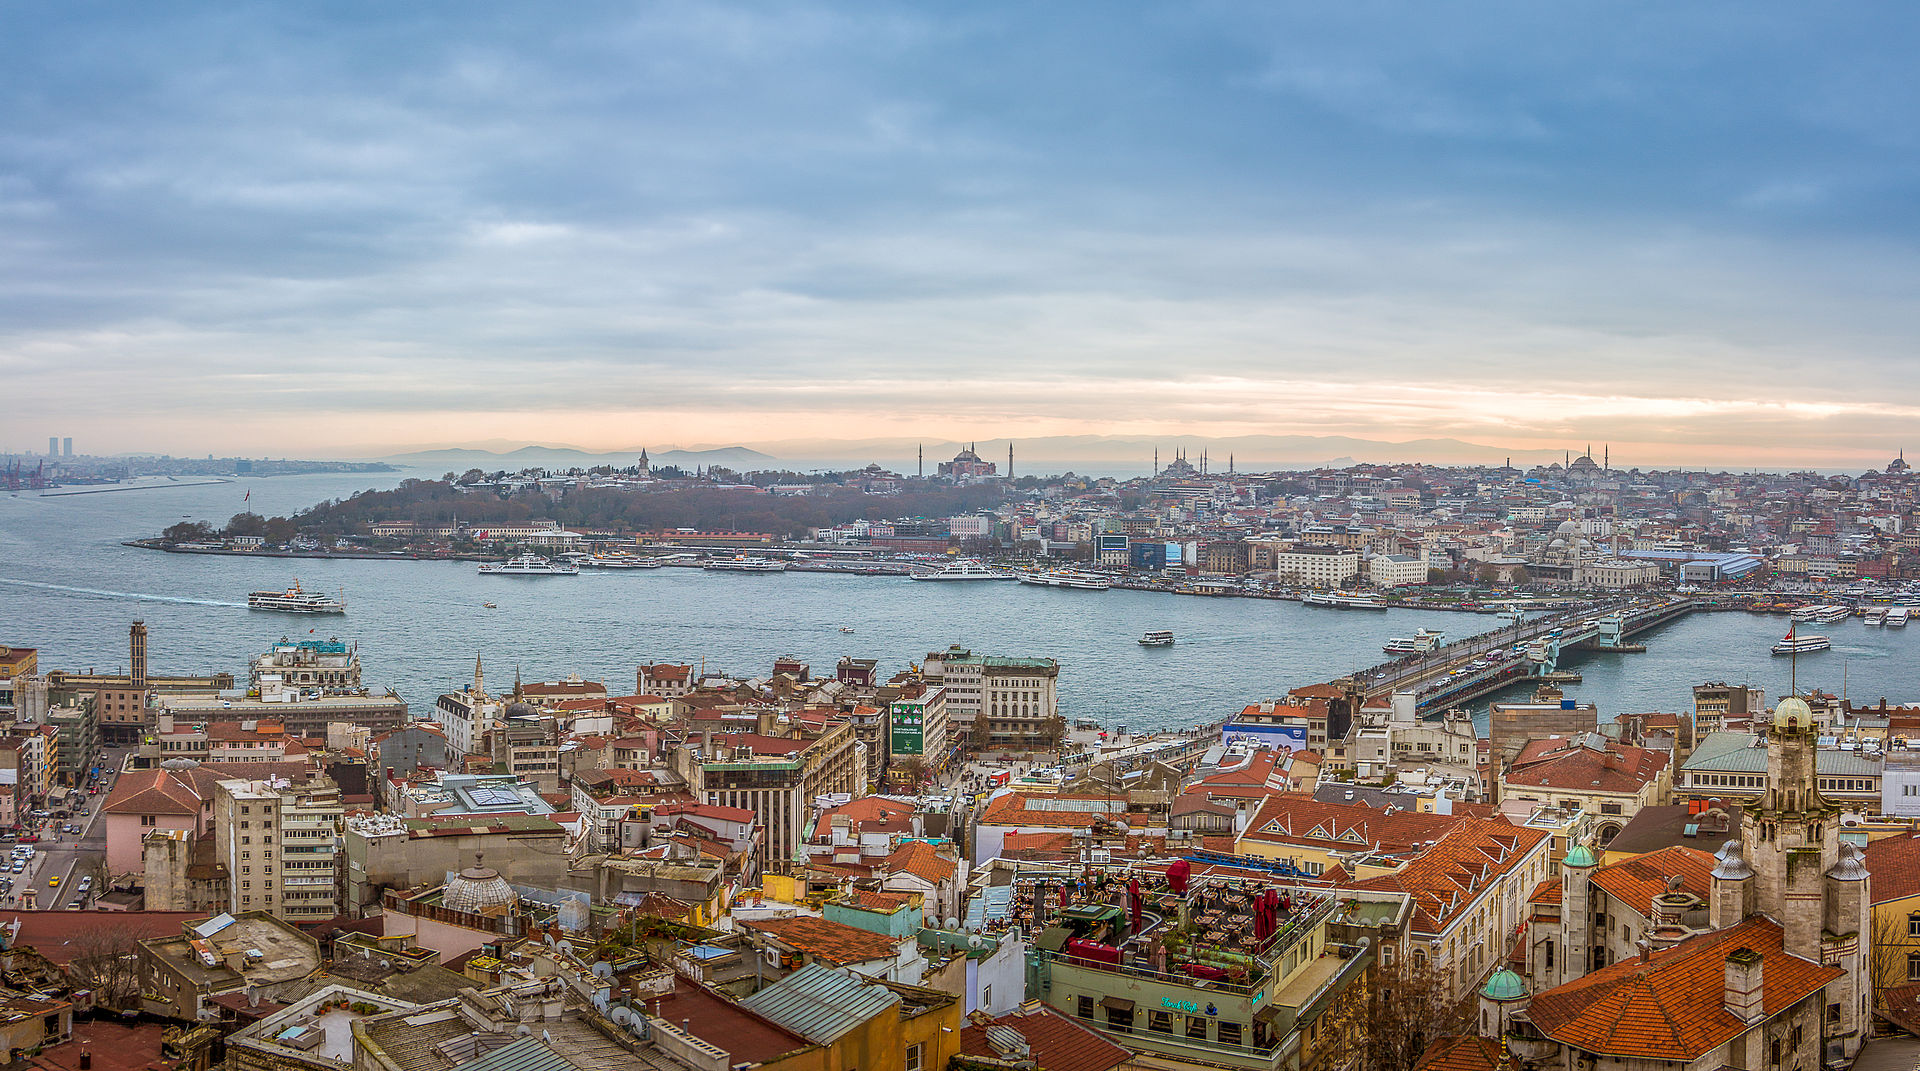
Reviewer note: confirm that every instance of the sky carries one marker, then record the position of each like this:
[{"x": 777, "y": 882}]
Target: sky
[{"x": 1687, "y": 230}]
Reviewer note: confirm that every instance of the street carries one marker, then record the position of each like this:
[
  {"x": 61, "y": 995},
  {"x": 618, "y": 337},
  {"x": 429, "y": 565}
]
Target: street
[{"x": 66, "y": 856}]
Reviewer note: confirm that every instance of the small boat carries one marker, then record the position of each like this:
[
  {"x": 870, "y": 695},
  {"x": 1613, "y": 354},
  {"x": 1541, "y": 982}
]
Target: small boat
[
  {"x": 1793, "y": 644},
  {"x": 295, "y": 601},
  {"x": 489, "y": 606},
  {"x": 1157, "y": 638},
  {"x": 844, "y": 628},
  {"x": 1340, "y": 600},
  {"x": 529, "y": 565}
]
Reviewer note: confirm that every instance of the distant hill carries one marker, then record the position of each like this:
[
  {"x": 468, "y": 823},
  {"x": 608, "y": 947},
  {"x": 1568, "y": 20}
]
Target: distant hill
[{"x": 735, "y": 457}]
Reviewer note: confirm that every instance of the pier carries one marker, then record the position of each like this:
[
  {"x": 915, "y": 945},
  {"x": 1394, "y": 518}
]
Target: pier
[{"x": 1468, "y": 669}]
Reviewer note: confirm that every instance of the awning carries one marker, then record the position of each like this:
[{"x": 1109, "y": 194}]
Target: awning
[{"x": 1119, "y": 1004}]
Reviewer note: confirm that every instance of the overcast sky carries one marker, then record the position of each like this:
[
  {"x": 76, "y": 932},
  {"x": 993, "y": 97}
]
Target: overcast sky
[{"x": 1685, "y": 229}]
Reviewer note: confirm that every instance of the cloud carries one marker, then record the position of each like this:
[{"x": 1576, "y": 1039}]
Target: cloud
[{"x": 1670, "y": 226}]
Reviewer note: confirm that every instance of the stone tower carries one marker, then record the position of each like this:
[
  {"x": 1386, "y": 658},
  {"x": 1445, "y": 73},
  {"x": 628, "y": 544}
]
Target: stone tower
[
  {"x": 1793, "y": 835},
  {"x": 1576, "y": 918},
  {"x": 137, "y": 654}
]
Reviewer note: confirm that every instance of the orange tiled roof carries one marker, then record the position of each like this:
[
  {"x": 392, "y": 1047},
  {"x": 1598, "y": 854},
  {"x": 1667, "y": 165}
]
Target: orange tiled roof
[
  {"x": 1636, "y": 881},
  {"x": 1465, "y": 862},
  {"x": 1673, "y": 1006},
  {"x": 835, "y": 942},
  {"x": 1547, "y": 892},
  {"x": 862, "y": 811},
  {"x": 1570, "y": 765},
  {"x": 1460, "y": 1054},
  {"x": 1011, "y": 810},
  {"x": 1300, "y": 819},
  {"x": 921, "y": 860},
  {"x": 1894, "y": 863}
]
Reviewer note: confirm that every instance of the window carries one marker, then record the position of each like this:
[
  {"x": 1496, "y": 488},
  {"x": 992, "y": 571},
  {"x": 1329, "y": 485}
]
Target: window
[
  {"x": 146, "y": 819},
  {"x": 916, "y": 1057},
  {"x": 1197, "y": 1026},
  {"x": 986, "y": 996},
  {"x": 1086, "y": 1007},
  {"x": 1229, "y": 1033},
  {"x": 1913, "y": 924},
  {"x": 1913, "y": 966},
  {"x": 1160, "y": 1022},
  {"x": 1120, "y": 1019}
]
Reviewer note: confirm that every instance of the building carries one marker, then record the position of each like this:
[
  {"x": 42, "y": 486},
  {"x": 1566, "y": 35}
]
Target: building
[
  {"x": 967, "y": 465},
  {"x": 1548, "y": 712},
  {"x": 1894, "y": 863},
  {"x": 1608, "y": 780},
  {"x": 1770, "y": 968},
  {"x": 1717, "y": 705},
  {"x": 252, "y": 952},
  {"x": 277, "y": 841},
  {"x": 776, "y": 778},
  {"x": 1732, "y": 766},
  {"x": 1397, "y": 570},
  {"x": 327, "y": 667},
  {"x": 383, "y": 852},
  {"x": 917, "y": 732},
  {"x": 1318, "y": 565}
]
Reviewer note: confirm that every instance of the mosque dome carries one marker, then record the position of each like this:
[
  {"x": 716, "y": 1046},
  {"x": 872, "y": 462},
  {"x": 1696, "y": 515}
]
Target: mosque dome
[
  {"x": 1793, "y": 715},
  {"x": 1567, "y": 527},
  {"x": 478, "y": 890},
  {"x": 518, "y": 709},
  {"x": 1504, "y": 985},
  {"x": 1581, "y": 855}
]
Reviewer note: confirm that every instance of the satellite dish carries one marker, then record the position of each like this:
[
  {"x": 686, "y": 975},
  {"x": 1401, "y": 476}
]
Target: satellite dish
[
  {"x": 976, "y": 941},
  {"x": 952, "y": 923},
  {"x": 622, "y": 1015},
  {"x": 565, "y": 947}
]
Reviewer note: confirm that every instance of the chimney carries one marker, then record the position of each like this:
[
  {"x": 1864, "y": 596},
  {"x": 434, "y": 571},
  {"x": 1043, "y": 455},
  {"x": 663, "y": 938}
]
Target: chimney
[{"x": 1744, "y": 985}]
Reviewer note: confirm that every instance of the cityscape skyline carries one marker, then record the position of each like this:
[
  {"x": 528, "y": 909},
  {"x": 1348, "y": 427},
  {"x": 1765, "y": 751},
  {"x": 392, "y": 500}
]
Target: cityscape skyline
[{"x": 1687, "y": 233}]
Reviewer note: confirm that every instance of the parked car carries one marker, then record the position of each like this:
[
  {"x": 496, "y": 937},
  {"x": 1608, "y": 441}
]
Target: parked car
[
  {"x": 29, "y": 838},
  {"x": 85, "y": 884}
]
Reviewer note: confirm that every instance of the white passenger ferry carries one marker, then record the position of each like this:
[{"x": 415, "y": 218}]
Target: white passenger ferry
[
  {"x": 962, "y": 569},
  {"x": 296, "y": 601},
  {"x": 619, "y": 560},
  {"x": 529, "y": 565},
  {"x": 1157, "y": 638},
  {"x": 1341, "y": 601},
  {"x": 745, "y": 563},
  {"x": 1064, "y": 578},
  {"x": 1422, "y": 641},
  {"x": 1793, "y": 644}
]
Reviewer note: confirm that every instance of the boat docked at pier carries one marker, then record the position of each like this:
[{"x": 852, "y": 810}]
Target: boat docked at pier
[
  {"x": 1065, "y": 578},
  {"x": 962, "y": 569},
  {"x": 1825, "y": 613},
  {"x": 295, "y": 600},
  {"x": 1340, "y": 600},
  {"x": 1157, "y": 638},
  {"x": 529, "y": 565},
  {"x": 618, "y": 561},
  {"x": 1897, "y": 616},
  {"x": 1794, "y": 644},
  {"x": 1422, "y": 641},
  {"x": 745, "y": 563}
]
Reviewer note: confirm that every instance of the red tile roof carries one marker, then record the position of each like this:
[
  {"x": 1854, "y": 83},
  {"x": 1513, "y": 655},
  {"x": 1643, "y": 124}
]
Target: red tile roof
[
  {"x": 1673, "y": 1006},
  {"x": 835, "y": 942},
  {"x": 1291, "y": 819},
  {"x": 1568, "y": 763},
  {"x": 920, "y": 859},
  {"x": 1467, "y": 861},
  {"x": 1894, "y": 863},
  {"x": 1058, "y": 1043},
  {"x": 158, "y": 792},
  {"x": 864, "y": 810},
  {"x": 61, "y": 935},
  {"x": 1460, "y": 1054},
  {"x": 1011, "y": 810},
  {"x": 1636, "y": 881}
]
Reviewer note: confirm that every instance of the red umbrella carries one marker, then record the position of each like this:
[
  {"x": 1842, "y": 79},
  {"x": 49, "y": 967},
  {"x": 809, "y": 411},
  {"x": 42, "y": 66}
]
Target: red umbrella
[
  {"x": 1177, "y": 876},
  {"x": 1133, "y": 898},
  {"x": 1063, "y": 896}
]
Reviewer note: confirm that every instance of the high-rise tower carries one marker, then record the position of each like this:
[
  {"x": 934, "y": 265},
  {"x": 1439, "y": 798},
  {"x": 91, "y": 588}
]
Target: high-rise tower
[{"x": 137, "y": 654}]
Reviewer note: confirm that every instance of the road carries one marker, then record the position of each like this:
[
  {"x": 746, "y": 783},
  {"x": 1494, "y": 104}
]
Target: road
[{"x": 68, "y": 858}]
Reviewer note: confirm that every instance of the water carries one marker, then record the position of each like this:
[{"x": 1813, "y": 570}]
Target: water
[{"x": 69, "y": 588}]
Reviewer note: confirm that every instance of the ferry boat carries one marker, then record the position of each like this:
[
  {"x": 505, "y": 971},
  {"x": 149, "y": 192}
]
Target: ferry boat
[
  {"x": 529, "y": 565},
  {"x": 1792, "y": 644},
  {"x": 1876, "y": 615},
  {"x": 1063, "y": 578},
  {"x": 745, "y": 563},
  {"x": 1897, "y": 616},
  {"x": 1157, "y": 638},
  {"x": 1822, "y": 612},
  {"x": 295, "y": 601},
  {"x": 618, "y": 561},
  {"x": 962, "y": 569},
  {"x": 1421, "y": 642},
  {"x": 1341, "y": 601}
]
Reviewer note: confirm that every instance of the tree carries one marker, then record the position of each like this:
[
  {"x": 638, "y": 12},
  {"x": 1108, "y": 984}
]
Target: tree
[
  {"x": 280, "y": 530},
  {"x": 106, "y": 959},
  {"x": 1388, "y": 1017},
  {"x": 188, "y": 532},
  {"x": 246, "y": 524},
  {"x": 469, "y": 477}
]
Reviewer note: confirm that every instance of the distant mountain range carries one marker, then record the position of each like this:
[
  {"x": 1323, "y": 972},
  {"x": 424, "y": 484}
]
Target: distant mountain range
[
  {"x": 734, "y": 457},
  {"x": 1087, "y": 454}
]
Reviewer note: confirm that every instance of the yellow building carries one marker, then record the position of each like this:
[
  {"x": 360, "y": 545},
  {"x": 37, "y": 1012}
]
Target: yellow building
[
  {"x": 1894, "y": 863},
  {"x": 858, "y": 1022}
]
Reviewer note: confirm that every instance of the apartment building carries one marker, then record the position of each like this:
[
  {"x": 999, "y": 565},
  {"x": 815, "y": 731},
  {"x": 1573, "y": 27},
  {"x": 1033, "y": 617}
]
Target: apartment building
[
  {"x": 327, "y": 666},
  {"x": 1015, "y": 698},
  {"x": 276, "y": 839},
  {"x": 1319, "y": 565},
  {"x": 917, "y": 728},
  {"x": 776, "y": 778}
]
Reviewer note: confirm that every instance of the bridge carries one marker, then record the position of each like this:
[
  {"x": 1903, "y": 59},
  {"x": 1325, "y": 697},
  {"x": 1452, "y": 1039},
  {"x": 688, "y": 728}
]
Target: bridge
[{"x": 1468, "y": 669}]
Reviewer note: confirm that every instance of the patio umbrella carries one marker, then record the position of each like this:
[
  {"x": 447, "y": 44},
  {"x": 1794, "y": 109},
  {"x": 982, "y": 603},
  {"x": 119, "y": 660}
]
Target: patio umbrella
[
  {"x": 1177, "y": 874},
  {"x": 1133, "y": 898}
]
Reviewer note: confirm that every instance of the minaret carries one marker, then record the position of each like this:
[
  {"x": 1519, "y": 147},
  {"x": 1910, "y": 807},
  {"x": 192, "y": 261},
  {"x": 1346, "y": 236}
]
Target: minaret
[
  {"x": 1576, "y": 915},
  {"x": 479, "y": 679},
  {"x": 1156, "y": 461},
  {"x": 1606, "y": 457},
  {"x": 1229, "y": 462},
  {"x": 1009, "y": 461},
  {"x": 921, "y": 470}
]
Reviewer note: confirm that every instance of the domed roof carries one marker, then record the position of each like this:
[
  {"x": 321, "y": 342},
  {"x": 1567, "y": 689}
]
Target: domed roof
[
  {"x": 1793, "y": 715},
  {"x": 518, "y": 709},
  {"x": 1850, "y": 867},
  {"x": 1581, "y": 855},
  {"x": 1567, "y": 527},
  {"x": 1731, "y": 866},
  {"x": 479, "y": 890},
  {"x": 1504, "y": 985}
]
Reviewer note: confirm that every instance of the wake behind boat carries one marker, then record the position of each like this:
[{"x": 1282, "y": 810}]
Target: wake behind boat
[
  {"x": 529, "y": 565},
  {"x": 1157, "y": 638},
  {"x": 296, "y": 601}
]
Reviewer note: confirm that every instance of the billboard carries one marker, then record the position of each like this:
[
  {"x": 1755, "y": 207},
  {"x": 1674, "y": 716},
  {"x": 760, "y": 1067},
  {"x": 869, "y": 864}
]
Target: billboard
[
  {"x": 906, "y": 729},
  {"x": 1291, "y": 737}
]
